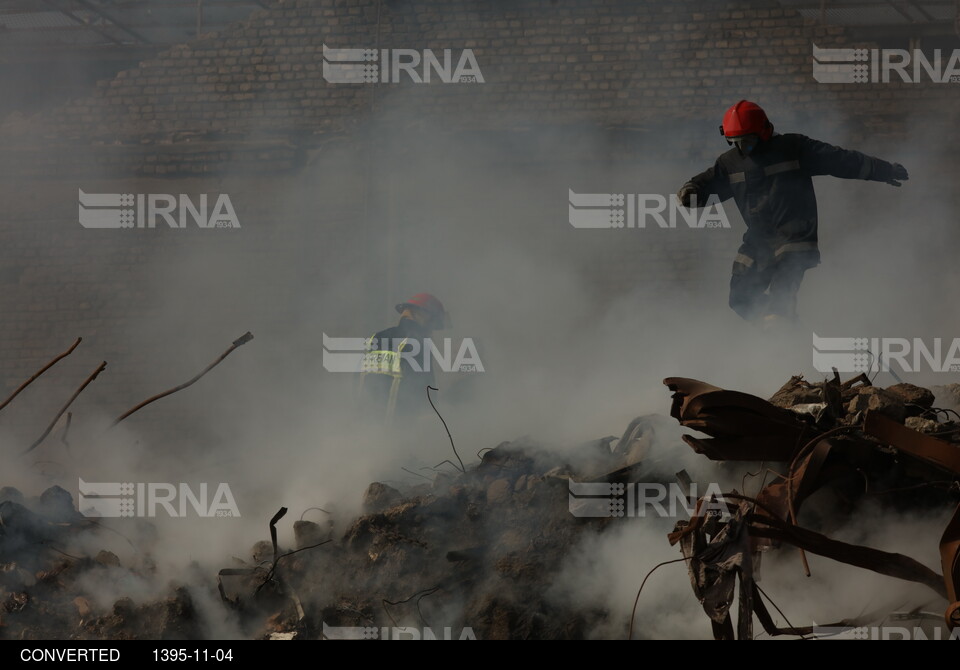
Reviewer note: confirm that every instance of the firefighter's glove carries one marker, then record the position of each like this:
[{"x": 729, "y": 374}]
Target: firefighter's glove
[
  {"x": 898, "y": 174},
  {"x": 687, "y": 194}
]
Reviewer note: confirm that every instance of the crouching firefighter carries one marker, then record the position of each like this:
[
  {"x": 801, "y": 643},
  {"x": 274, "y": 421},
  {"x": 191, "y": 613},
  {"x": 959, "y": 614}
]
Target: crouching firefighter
[
  {"x": 769, "y": 177},
  {"x": 396, "y": 369}
]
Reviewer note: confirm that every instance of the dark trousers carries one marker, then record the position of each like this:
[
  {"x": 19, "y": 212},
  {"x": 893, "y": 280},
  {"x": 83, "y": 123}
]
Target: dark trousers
[{"x": 772, "y": 290}]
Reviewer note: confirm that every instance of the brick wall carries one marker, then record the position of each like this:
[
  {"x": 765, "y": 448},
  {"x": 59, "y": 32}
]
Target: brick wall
[{"x": 608, "y": 63}]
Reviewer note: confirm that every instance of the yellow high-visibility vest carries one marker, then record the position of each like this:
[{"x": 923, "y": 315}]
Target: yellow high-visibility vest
[{"x": 384, "y": 362}]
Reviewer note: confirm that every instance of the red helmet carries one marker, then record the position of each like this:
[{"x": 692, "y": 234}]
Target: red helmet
[
  {"x": 429, "y": 304},
  {"x": 746, "y": 118}
]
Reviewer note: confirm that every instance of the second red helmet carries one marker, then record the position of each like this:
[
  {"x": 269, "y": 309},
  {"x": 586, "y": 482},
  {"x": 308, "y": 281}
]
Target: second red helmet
[{"x": 430, "y": 305}]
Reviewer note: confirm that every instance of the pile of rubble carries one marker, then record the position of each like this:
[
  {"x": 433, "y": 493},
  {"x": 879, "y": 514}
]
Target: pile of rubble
[
  {"x": 483, "y": 546},
  {"x": 46, "y": 574},
  {"x": 890, "y": 445},
  {"x": 468, "y": 555},
  {"x": 464, "y": 555},
  {"x": 472, "y": 552},
  {"x": 47, "y": 582}
]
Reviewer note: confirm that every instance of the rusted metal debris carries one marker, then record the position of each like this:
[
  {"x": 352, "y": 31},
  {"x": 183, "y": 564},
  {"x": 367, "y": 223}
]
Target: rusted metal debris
[
  {"x": 243, "y": 339},
  {"x": 925, "y": 447},
  {"x": 720, "y": 554},
  {"x": 240, "y": 341},
  {"x": 828, "y": 434},
  {"x": 63, "y": 409},
  {"x": 743, "y": 427},
  {"x": 943, "y": 455},
  {"x": 950, "y": 560},
  {"x": 267, "y": 576},
  {"x": 39, "y": 372}
]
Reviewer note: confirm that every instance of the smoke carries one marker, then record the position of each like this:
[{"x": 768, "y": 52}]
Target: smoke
[
  {"x": 564, "y": 360},
  {"x": 607, "y": 573}
]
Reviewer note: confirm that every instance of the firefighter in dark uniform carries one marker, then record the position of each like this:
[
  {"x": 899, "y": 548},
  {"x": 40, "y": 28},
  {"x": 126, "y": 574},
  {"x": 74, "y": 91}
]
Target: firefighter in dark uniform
[
  {"x": 769, "y": 176},
  {"x": 396, "y": 384}
]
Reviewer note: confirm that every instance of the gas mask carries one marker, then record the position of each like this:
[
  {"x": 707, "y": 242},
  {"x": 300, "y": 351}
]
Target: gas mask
[{"x": 745, "y": 143}]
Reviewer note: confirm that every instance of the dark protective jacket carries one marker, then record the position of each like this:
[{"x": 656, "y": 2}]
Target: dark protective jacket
[
  {"x": 408, "y": 384},
  {"x": 773, "y": 189}
]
